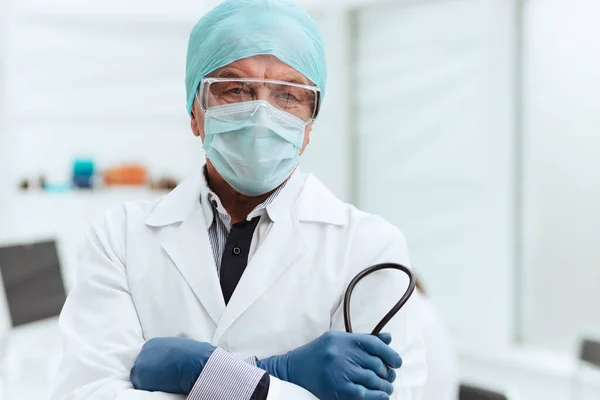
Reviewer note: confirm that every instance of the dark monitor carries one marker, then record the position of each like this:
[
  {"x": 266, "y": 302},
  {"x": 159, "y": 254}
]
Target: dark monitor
[
  {"x": 468, "y": 392},
  {"x": 32, "y": 281}
]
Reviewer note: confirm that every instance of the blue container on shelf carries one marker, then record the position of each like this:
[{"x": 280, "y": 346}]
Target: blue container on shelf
[{"x": 83, "y": 171}]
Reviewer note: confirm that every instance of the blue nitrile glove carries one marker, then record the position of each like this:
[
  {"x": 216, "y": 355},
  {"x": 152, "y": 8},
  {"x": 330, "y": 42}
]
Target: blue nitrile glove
[
  {"x": 171, "y": 364},
  {"x": 340, "y": 365}
]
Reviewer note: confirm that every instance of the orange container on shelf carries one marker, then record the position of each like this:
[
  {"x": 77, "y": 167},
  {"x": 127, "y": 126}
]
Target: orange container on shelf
[{"x": 126, "y": 174}]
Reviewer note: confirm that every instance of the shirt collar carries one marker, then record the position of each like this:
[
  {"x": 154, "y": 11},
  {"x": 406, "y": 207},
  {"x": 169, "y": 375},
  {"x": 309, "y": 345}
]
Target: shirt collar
[{"x": 211, "y": 203}]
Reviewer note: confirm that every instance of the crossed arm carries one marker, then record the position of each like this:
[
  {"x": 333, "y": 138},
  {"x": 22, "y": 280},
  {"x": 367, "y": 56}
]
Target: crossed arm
[
  {"x": 102, "y": 335},
  {"x": 103, "y": 340}
]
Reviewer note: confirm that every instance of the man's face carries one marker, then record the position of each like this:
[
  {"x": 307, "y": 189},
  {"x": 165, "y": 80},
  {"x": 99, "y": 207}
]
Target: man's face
[{"x": 257, "y": 67}]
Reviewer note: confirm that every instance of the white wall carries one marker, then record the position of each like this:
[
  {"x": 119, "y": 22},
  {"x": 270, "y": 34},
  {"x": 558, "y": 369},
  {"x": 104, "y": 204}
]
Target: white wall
[
  {"x": 328, "y": 153},
  {"x": 561, "y": 122},
  {"x": 435, "y": 82},
  {"x": 562, "y": 181}
]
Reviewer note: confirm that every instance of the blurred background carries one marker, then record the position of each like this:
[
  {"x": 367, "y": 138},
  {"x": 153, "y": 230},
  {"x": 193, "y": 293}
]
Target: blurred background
[{"x": 472, "y": 125}]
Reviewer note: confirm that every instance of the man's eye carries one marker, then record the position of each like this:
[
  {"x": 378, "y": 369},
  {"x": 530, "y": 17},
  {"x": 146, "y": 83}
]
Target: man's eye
[{"x": 289, "y": 96}]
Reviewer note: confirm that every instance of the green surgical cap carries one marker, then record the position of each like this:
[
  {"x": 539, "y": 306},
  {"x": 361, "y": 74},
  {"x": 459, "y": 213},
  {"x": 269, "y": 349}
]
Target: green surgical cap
[{"x": 238, "y": 29}]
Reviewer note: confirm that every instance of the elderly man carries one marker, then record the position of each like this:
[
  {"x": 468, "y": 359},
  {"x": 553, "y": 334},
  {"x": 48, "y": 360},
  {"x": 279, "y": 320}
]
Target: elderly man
[{"x": 231, "y": 286}]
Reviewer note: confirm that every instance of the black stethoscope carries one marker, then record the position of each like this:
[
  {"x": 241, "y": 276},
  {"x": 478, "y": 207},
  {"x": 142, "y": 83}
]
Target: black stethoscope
[{"x": 412, "y": 282}]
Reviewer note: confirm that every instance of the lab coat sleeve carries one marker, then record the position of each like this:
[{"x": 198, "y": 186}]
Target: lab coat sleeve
[
  {"x": 282, "y": 390},
  {"x": 102, "y": 336},
  {"x": 375, "y": 242}
]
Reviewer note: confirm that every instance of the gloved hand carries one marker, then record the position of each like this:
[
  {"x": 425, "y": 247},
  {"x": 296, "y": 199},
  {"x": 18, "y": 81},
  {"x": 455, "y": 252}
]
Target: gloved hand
[
  {"x": 340, "y": 365},
  {"x": 171, "y": 364}
]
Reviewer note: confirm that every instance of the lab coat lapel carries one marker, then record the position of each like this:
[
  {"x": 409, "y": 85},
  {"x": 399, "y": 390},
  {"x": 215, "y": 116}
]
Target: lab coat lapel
[
  {"x": 188, "y": 245},
  {"x": 190, "y": 250},
  {"x": 283, "y": 245}
]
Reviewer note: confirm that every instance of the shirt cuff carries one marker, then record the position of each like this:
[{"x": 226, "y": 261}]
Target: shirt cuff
[
  {"x": 252, "y": 361},
  {"x": 226, "y": 377}
]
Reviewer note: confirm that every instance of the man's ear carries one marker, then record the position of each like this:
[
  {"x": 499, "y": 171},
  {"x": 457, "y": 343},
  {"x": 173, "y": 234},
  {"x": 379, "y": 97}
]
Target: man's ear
[
  {"x": 194, "y": 124},
  {"x": 197, "y": 121},
  {"x": 307, "y": 132}
]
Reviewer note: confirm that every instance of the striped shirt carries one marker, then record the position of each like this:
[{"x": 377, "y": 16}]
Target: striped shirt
[
  {"x": 219, "y": 228},
  {"x": 225, "y": 376}
]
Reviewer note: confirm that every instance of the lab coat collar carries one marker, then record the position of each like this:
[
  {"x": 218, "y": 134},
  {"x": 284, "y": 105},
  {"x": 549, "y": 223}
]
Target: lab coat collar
[
  {"x": 177, "y": 205},
  {"x": 279, "y": 204},
  {"x": 282, "y": 204},
  {"x": 317, "y": 204}
]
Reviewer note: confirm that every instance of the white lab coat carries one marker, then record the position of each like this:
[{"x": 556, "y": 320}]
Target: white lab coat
[
  {"x": 148, "y": 271},
  {"x": 443, "y": 378}
]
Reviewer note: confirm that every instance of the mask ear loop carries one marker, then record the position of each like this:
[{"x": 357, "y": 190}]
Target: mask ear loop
[{"x": 412, "y": 282}]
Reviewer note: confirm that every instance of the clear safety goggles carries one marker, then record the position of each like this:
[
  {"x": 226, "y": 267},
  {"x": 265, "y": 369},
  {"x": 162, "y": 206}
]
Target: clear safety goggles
[{"x": 302, "y": 101}]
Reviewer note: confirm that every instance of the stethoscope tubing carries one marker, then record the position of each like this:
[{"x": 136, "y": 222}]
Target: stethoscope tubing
[{"x": 405, "y": 297}]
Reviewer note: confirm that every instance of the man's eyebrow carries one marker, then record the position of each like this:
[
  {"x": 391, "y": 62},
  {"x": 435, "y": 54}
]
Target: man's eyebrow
[
  {"x": 296, "y": 80},
  {"x": 293, "y": 78},
  {"x": 227, "y": 74}
]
